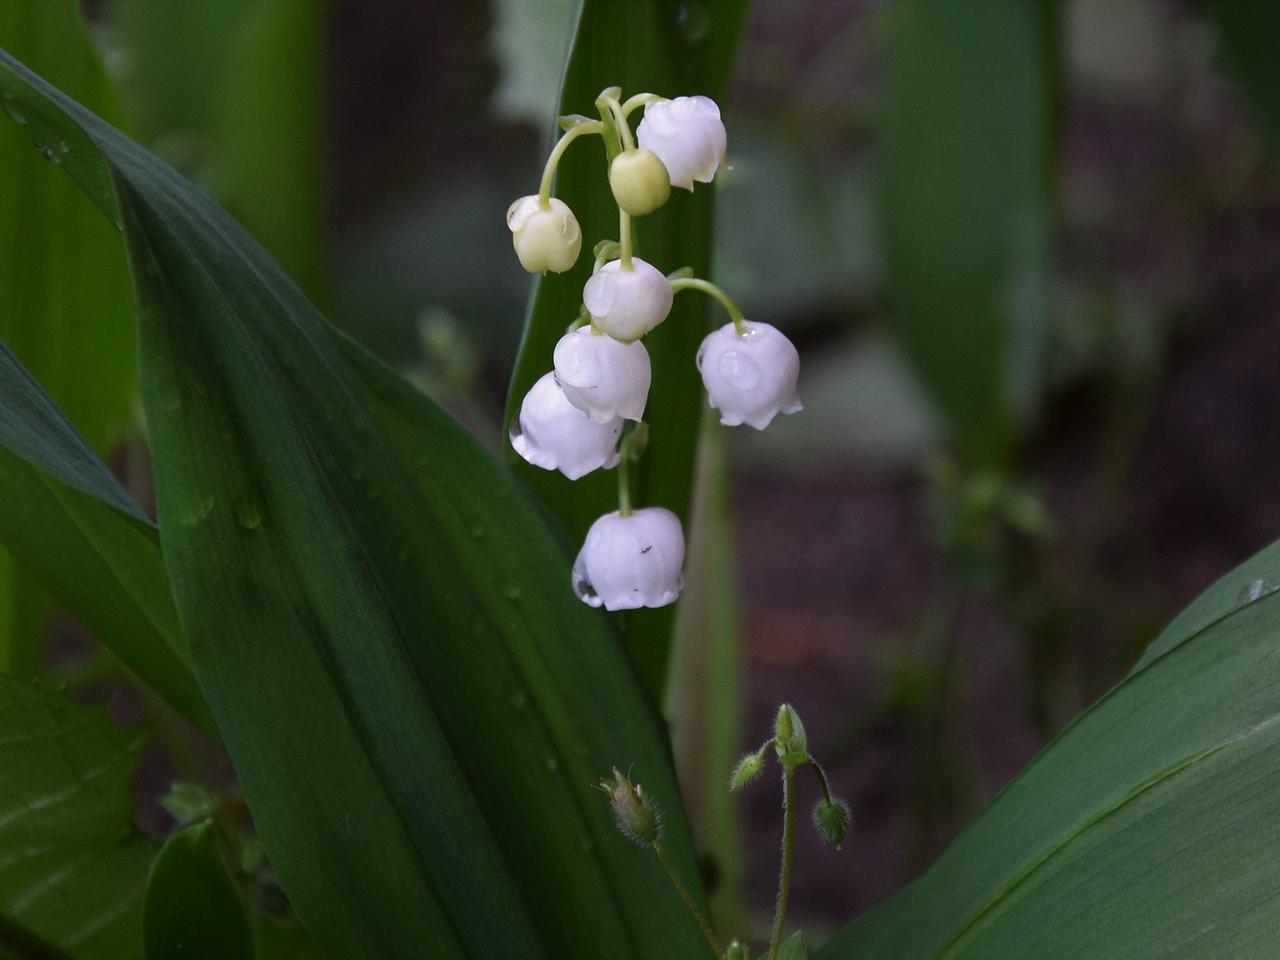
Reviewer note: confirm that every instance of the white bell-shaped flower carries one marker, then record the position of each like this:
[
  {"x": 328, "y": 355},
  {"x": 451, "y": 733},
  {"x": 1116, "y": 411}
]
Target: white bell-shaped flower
[
  {"x": 545, "y": 238},
  {"x": 601, "y": 376},
  {"x": 554, "y": 434},
  {"x": 627, "y": 304},
  {"x": 633, "y": 561},
  {"x": 750, "y": 378},
  {"x": 688, "y": 136}
]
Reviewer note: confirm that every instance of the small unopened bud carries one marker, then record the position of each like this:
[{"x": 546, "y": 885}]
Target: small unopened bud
[
  {"x": 736, "y": 951},
  {"x": 636, "y": 817},
  {"x": 790, "y": 732},
  {"x": 639, "y": 181},
  {"x": 545, "y": 238},
  {"x": 832, "y": 819},
  {"x": 748, "y": 768}
]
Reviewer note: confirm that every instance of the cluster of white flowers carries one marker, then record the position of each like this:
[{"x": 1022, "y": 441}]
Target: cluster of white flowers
[{"x": 573, "y": 419}]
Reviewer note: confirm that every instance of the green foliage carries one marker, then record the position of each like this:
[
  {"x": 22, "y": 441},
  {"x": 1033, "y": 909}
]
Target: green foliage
[
  {"x": 193, "y": 910},
  {"x": 966, "y": 154},
  {"x": 1248, "y": 32},
  {"x": 65, "y": 305},
  {"x": 669, "y": 49},
  {"x": 1148, "y": 828},
  {"x": 83, "y": 536},
  {"x": 377, "y": 615},
  {"x": 72, "y": 867}
]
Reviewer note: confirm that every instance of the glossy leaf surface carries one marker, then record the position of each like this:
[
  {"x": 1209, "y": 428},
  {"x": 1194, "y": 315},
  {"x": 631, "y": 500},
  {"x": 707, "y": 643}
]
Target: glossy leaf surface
[
  {"x": 85, "y": 538},
  {"x": 416, "y": 704},
  {"x": 1149, "y": 828}
]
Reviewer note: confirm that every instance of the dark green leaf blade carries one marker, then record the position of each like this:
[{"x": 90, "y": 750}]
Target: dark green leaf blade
[
  {"x": 1247, "y": 34},
  {"x": 1149, "y": 828},
  {"x": 76, "y": 335},
  {"x": 72, "y": 866},
  {"x": 966, "y": 154},
  {"x": 82, "y": 535},
  {"x": 670, "y": 49},
  {"x": 291, "y": 520},
  {"x": 192, "y": 909}
]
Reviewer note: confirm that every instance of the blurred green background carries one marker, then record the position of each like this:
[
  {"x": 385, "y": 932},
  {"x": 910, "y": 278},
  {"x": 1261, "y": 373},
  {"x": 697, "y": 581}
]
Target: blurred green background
[{"x": 1026, "y": 249}]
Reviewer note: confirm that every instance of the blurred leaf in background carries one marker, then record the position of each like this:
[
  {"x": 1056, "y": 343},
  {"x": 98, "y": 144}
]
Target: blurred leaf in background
[
  {"x": 966, "y": 186},
  {"x": 66, "y": 308},
  {"x": 232, "y": 93},
  {"x": 1248, "y": 32}
]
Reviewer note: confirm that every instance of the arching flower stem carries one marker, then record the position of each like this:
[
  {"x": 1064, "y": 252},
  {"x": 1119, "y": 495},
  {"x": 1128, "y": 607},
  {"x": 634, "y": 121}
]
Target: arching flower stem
[
  {"x": 695, "y": 283},
  {"x": 549, "y": 171}
]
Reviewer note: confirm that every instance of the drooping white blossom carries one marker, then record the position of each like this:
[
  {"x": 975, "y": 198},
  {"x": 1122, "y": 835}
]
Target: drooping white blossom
[
  {"x": 552, "y": 433},
  {"x": 688, "y": 136},
  {"x": 633, "y": 561},
  {"x": 603, "y": 377},
  {"x": 750, "y": 378},
  {"x": 545, "y": 238},
  {"x": 627, "y": 304}
]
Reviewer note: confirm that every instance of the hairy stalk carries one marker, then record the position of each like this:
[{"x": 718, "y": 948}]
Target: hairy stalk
[
  {"x": 688, "y": 900},
  {"x": 788, "y": 851}
]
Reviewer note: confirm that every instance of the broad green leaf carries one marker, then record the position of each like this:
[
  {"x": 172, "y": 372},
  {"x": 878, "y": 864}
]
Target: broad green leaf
[
  {"x": 1150, "y": 828},
  {"x": 81, "y": 534},
  {"x": 415, "y": 703},
  {"x": 965, "y": 149},
  {"x": 65, "y": 304},
  {"x": 72, "y": 866},
  {"x": 669, "y": 49},
  {"x": 1248, "y": 32},
  {"x": 192, "y": 907}
]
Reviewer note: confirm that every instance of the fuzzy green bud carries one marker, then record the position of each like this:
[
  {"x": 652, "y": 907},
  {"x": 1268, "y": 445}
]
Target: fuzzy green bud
[
  {"x": 748, "y": 768},
  {"x": 639, "y": 181},
  {"x": 790, "y": 733},
  {"x": 636, "y": 817},
  {"x": 736, "y": 951},
  {"x": 832, "y": 820}
]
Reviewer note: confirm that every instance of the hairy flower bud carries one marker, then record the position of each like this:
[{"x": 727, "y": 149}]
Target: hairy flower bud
[
  {"x": 627, "y": 304},
  {"x": 636, "y": 816},
  {"x": 639, "y": 181},
  {"x": 633, "y": 561},
  {"x": 688, "y": 136},
  {"x": 748, "y": 768},
  {"x": 789, "y": 731},
  {"x": 552, "y": 433},
  {"x": 601, "y": 376},
  {"x": 545, "y": 238},
  {"x": 750, "y": 378},
  {"x": 832, "y": 820}
]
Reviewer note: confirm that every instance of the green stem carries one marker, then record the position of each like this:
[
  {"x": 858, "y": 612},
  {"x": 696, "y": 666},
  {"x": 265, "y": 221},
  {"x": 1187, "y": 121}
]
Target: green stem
[
  {"x": 788, "y": 850},
  {"x": 624, "y": 485},
  {"x": 624, "y": 229},
  {"x": 822, "y": 780},
  {"x": 694, "y": 283},
  {"x": 549, "y": 171},
  {"x": 631, "y": 104},
  {"x": 688, "y": 900}
]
